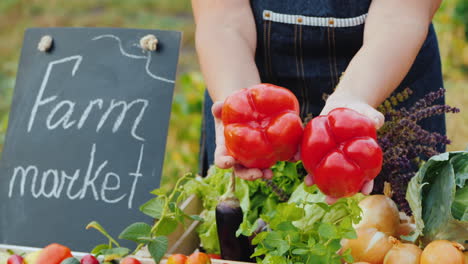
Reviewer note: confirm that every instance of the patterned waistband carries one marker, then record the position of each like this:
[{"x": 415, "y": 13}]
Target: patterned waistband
[{"x": 314, "y": 21}]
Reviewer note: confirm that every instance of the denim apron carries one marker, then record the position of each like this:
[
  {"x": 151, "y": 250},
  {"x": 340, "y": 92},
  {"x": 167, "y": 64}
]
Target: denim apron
[{"x": 305, "y": 46}]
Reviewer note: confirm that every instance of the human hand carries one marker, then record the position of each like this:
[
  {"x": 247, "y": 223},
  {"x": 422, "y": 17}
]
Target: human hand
[
  {"x": 342, "y": 99},
  {"x": 338, "y": 100},
  {"x": 223, "y": 160}
]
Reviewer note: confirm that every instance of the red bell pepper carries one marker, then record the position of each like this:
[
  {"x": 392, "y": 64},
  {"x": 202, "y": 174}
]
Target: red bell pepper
[
  {"x": 340, "y": 151},
  {"x": 262, "y": 125}
]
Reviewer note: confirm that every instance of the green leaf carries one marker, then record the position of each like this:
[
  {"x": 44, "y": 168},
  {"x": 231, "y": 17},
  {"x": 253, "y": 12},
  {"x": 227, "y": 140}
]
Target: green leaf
[
  {"x": 300, "y": 251},
  {"x": 166, "y": 226},
  {"x": 460, "y": 167},
  {"x": 97, "y": 249},
  {"x": 275, "y": 259},
  {"x": 460, "y": 204},
  {"x": 259, "y": 238},
  {"x": 431, "y": 194},
  {"x": 286, "y": 227},
  {"x": 154, "y": 207},
  {"x": 259, "y": 252},
  {"x": 275, "y": 241},
  {"x": 208, "y": 233},
  {"x": 347, "y": 256},
  {"x": 114, "y": 253},
  {"x": 246, "y": 228},
  {"x": 334, "y": 245},
  {"x": 318, "y": 250},
  {"x": 287, "y": 212},
  {"x": 158, "y": 192},
  {"x": 158, "y": 248},
  {"x": 327, "y": 230},
  {"x": 350, "y": 234},
  {"x": 135, "y": 231},
  {"x": 98, "y": 227}
]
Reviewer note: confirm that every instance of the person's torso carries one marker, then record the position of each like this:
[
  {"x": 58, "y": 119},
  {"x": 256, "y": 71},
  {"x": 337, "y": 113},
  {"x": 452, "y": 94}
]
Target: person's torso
[{"x": 306, "y": 45}]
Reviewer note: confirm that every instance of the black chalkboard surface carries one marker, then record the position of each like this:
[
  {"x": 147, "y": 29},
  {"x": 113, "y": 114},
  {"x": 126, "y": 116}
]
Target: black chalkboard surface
[{"x": 87, "y": 134}]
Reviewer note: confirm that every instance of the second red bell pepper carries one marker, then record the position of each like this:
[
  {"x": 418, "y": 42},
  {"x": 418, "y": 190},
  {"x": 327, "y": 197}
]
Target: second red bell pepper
[
  {"x": 262, "y": 125},
  {"x": 340, "y": 151}
]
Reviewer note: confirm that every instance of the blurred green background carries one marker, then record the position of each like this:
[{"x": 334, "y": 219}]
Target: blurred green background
[{"x": 182, "y": 149}]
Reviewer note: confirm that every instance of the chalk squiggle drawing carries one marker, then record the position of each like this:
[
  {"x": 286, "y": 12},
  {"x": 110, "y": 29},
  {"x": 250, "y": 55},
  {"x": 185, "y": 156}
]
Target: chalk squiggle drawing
[{"x": 126, "y": 54}]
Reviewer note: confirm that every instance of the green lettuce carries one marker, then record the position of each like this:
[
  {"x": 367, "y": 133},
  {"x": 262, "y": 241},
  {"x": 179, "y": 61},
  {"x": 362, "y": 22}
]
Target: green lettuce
[{"x": 438, "y": 198}]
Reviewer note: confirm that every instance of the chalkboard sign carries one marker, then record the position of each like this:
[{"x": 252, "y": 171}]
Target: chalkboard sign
[{"x": 87, "y": 134}]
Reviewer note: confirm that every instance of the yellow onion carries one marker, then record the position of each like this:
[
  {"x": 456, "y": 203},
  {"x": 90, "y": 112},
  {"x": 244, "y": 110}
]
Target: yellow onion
[
  {"x": 443, "y": 251},
  {"x": 402, "y": 253},
  {"x": 380, "y": 212},
  {"x": 370, "y": 245}
]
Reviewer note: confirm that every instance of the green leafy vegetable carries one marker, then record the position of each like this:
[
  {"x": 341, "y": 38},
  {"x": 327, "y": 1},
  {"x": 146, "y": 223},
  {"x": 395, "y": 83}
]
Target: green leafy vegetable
[
  {"x": 460, "y": 204},
  {"x": 307, "y": 230},
  {"x": 438, "y": 198}
]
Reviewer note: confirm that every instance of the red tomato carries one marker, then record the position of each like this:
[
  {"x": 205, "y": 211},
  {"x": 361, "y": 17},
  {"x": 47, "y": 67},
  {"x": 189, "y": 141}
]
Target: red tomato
[
  {"x": 341, "y": 152},
  {"x": 129, "y": 260},
  {"x": 89, "y": 259},
  {"x": 262, "y": 125},
  {"x": 198, "y": 258},
  {"x": 15, "y": 259},
  {"x": 176, "y": 259},
  {"x": 54, "y": 254}
]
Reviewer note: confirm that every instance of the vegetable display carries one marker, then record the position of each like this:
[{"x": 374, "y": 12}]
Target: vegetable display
[
  {"x": 341, "y": 152},
  {"x": 262, "y": 125},
  {"x": 284, "y": 221}
]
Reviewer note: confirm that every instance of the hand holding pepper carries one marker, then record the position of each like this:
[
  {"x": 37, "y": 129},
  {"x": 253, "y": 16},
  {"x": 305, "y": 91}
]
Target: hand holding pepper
[
  {"x": 341, "y": 154},
  {"x": 343, "y": 99},
  {"x": 260, "y": 126},
  {"x": 223, "y": 160}
]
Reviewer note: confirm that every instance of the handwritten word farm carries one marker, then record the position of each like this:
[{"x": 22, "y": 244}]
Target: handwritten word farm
[{"x": 96, "y": 180}]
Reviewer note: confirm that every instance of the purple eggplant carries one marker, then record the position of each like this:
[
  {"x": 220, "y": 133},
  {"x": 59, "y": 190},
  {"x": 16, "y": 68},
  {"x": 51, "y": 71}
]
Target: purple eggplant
[{"x": 229, "y": 216}]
